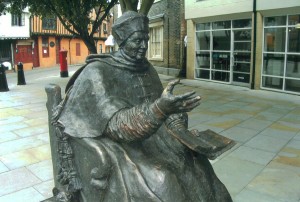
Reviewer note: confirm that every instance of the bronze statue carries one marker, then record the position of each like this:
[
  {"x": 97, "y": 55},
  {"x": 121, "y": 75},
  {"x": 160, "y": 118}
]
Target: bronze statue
[{"x": 122, "y": 137}]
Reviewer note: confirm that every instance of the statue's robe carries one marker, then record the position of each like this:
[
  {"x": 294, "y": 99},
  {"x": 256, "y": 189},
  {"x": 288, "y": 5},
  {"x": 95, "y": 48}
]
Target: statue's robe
[{"x": 155, "y": 168}]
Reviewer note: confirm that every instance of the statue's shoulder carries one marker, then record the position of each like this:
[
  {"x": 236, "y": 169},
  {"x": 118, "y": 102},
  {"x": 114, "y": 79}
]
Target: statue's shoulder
[{"x": 105, "y": 58}]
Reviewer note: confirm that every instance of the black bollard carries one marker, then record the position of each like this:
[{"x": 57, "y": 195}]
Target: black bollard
[
  {"x": 21, "y": 77},
  {"x": 3, "y": 80}
]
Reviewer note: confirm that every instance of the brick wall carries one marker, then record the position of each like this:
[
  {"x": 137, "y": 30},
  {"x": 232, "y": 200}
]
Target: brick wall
[{"x": 174, "y": 32}]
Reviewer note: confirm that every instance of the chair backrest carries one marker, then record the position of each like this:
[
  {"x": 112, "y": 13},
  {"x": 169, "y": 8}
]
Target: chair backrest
[{"x": 53, "y": 99}]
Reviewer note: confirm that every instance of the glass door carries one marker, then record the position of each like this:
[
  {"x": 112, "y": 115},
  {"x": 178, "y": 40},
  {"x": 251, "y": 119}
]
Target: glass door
[
  {"x": 241, "y": 55},
  {"x": 223, "y": 51}
]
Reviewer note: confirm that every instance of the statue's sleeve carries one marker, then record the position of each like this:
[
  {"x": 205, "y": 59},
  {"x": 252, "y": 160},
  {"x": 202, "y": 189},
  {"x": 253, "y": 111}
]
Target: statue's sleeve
[{"x": 135, "y": 123}]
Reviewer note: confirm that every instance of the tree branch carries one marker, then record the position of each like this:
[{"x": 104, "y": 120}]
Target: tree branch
[
  {"x": 145, "y": 7},
  {"x": 107, "y": 10}
]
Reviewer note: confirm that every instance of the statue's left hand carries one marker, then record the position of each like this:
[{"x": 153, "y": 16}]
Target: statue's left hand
[{"x": 170, "y": 104}]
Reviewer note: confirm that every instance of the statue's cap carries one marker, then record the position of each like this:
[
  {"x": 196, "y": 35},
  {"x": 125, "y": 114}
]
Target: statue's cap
[{"x": 127, "y": 24}]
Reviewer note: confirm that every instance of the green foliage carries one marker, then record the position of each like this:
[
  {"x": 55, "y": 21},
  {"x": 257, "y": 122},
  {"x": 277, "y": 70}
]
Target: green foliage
[{"x": 74, "y": 14}]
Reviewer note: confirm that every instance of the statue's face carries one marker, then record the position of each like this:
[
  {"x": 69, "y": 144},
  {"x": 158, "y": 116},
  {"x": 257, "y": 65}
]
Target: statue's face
[{"x": 136, "y": 46}]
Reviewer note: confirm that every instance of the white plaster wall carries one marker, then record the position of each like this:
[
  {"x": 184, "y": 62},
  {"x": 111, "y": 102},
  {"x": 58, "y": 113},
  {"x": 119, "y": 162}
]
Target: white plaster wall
[
  {"x": 213, "y": 8},
  {"x": 276, "y": 4},
  {"x": 210, "y": 10},
  {"x": 273, "y": 8},
  {"x": 8, "y": 31}
]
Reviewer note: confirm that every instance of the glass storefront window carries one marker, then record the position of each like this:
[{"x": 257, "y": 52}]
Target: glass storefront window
[
  {"x": 220, "y": 76},
  {"x": 273, "y": 64},
  {"x": 242, "y": 40},
  {"x": 221, "y": 61},
  {"x": 272, "y": 82},
  {"x": 294, "y": 19},
  {"x": 274, "y": 39},
  {"x": 215, "y": 47},
  {"x": 275, "y": 21},
  {"x": 242, "y": 35},
  {"x": 281, "y": 63},
  {"x": 294, "y": 40},
  {"x": 240, "y": 77},
  {"x": 242, "y": 23},
  {"x": 202, "y": 26},
  {"x": 203, "y": 60},
  {"x": 242, "y": 57},
  {"x": 241, "y": 67},
  {"x": 203, "y": 40},
  {"x": 293, "y": 66},
  {"x": 292, "y": 85},
  {"x": 221, "y": 40},
  {"x": 203, "y": 74},
  {"x": 221, "y": 25},
  {"x": 242, "y": 46}
]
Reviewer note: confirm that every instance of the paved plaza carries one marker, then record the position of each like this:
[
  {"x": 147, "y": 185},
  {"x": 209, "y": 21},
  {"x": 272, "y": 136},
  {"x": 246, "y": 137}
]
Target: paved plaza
[{"x": 264, "y": 166}]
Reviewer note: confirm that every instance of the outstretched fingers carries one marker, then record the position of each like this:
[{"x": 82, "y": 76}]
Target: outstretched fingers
[
  {"x": 186, "y": 96},
  {"x": 190, "y": 106}
]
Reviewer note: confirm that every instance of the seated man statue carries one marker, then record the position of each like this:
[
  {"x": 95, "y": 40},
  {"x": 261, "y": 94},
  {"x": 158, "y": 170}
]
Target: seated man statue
[{"x": 117, "y": 104}]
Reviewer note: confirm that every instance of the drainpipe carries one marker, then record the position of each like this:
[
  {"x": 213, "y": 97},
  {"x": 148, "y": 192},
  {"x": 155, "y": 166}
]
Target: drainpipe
[
  {"x": 254, "y": 44},
  {"x": 70, "y": 49},
  {"x": 168, "y": 11},
  {"x": 12, "y": 56}
]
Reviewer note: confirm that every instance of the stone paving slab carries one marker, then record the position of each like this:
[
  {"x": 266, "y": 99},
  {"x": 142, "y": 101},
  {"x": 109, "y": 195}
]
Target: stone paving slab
[
  {"x": 45, "y": 188},
  {"x": 16, "y": 180},
  {"x": 279, "y": 181},
  {"x": 29, "y": 194},
  {"x": 236, "y": 173}
]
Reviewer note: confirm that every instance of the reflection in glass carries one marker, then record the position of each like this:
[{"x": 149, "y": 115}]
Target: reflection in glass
[
  {"x": 220, "y": 76},
  {"x": 203, "y": 60},
  {"x": 294, "y": 19},
  {"x": 221, "y": 40},
  {"x": 240, "y": 77},
  {"x": 275, "y": 39},
  {"x": 294, "y": 40},
  {"x": 242, "y": 57},
  {"x": 242, "y": 23},
  {"x": 242, "y": 46},
  {"x": 203, "y": 40},
  {"x": 275, "y": 21},
  {"x": 221, "y": 25},
  {"x": 292, "y": 85},
  {"x": 203, "y": 74},
  {"x": 202, "y": 26},
  {"x": 293, "y": 66},
  {"x": 273, "y": 64},
  {"x": 221, "y": 61},
  {"x": 241, "y": 67},
  {"x": 272, "y": 82},
  {"x": 242, "y": 35}
]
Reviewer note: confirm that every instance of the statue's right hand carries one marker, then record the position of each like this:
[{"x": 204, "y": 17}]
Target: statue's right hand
[{"x": 170, "y": 104}]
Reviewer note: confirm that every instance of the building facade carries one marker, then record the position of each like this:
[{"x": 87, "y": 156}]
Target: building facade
[
  {"x": 36, "y": 41},
  {"x": 14, "y": 32},
  {"x": 166, "y": 49},
  {"x": 252, "y": 43},
  {"x": 50, "y": 37}
]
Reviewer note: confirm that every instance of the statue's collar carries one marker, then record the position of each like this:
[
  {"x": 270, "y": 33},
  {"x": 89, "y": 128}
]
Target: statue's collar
[{"x": 116, "y": 60}]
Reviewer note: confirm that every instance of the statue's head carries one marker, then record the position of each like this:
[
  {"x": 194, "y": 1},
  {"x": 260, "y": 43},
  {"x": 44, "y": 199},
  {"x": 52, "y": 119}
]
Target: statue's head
[{"x": 131, "y": 32}]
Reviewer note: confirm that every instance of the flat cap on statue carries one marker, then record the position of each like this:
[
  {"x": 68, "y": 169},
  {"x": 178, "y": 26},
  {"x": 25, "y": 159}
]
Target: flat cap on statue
[{"x": 127, "y": 24}]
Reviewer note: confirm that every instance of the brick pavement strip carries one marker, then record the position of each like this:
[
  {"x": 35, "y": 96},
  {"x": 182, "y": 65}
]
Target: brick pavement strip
[{"x": 265, "y": 124}]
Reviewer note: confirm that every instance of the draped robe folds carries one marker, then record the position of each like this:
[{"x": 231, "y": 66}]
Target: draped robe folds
[{"x": 153, "y": 168}]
